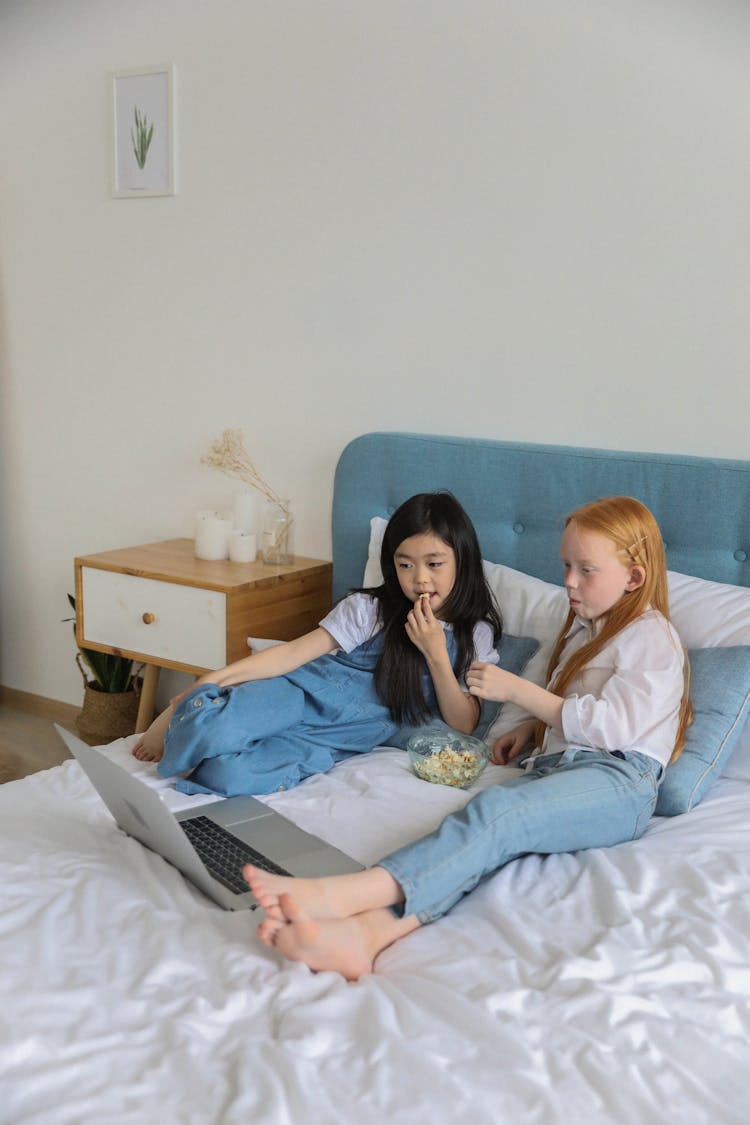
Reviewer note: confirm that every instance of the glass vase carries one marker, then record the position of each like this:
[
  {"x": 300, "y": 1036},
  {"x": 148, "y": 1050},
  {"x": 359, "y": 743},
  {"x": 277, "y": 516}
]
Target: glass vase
[{"x": 276, "y": 538}]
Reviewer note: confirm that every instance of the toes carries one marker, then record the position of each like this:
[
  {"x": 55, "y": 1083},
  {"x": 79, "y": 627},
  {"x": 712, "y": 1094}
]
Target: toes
[
  {"x": 266, "y": 897},
  {"x": 291, "y": 909},
  {"x": 271, "y": 906},
  {"x": 143, "y": 753},
  {"x": 268, "y": 931},
  {"x": 252, "y": 877},
  {"x": 305, "y": 927}
]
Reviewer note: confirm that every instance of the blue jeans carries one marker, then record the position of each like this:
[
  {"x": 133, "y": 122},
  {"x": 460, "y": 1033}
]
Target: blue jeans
[{"x": 569, "y": 801}]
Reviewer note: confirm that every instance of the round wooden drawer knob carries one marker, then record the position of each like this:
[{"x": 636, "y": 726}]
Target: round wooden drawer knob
[{"x": 149, "y": 618}]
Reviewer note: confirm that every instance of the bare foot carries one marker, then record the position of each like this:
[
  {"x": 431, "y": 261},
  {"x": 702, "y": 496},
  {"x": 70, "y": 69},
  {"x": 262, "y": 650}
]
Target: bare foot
[
  {"x": 341, "y": 922},
  {"x": 340, "y": 944},
  {"x": 150, "y": 746},
  {"x": 147, "y": 751},
  {"x": 316, "y": 896}
]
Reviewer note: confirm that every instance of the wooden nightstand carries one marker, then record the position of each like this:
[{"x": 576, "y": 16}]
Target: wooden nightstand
[{"x": 161, "y": 606}]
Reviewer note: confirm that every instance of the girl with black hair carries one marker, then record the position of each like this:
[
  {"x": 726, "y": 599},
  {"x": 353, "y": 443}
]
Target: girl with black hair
[{"x": 383, "y": 657}]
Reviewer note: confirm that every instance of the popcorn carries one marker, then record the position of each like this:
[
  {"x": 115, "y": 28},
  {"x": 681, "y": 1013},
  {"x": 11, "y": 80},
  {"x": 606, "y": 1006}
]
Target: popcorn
[{"x": 449, "y": 767}]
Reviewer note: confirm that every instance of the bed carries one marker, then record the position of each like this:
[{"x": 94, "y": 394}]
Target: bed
[{"x": 609, "y": 986}]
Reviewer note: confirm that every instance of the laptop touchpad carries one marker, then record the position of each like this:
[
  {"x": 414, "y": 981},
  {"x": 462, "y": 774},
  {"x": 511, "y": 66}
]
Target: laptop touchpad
[{"x": 276, "y": 838}]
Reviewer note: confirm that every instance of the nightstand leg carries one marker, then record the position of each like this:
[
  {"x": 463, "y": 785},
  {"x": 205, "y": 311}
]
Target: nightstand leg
[{"x": 148, "y": 698}]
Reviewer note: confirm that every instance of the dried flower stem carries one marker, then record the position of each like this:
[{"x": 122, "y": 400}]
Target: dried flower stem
[{"x": 228, "y": 454}]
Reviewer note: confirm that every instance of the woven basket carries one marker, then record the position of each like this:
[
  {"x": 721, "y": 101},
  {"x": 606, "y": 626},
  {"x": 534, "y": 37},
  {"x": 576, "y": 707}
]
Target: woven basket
[{"x": 107, "y": 715}]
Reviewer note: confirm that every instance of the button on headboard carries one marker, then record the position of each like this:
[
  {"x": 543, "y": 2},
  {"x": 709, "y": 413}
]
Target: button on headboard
[{"x": 518, "y": 495}]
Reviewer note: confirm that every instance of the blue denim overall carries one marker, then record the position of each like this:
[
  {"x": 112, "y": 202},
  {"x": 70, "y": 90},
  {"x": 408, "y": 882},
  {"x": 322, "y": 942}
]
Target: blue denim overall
[{"x": 266, "y": 735}]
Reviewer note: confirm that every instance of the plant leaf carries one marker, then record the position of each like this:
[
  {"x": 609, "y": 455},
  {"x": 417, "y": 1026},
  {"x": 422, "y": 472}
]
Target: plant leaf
[{"x": 113, "y": 673}]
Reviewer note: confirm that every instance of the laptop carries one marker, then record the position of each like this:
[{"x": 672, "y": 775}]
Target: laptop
[{"x": 209, "y": 843}]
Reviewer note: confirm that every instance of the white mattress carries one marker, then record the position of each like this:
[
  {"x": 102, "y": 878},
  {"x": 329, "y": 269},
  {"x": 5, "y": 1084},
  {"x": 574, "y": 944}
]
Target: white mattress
[{"x": 608, "y": 986}]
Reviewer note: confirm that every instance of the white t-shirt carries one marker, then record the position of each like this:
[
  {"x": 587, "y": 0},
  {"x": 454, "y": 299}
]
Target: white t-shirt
[
  {"x": 628, "y": 698},
  {"x": 355, "y": 620}
]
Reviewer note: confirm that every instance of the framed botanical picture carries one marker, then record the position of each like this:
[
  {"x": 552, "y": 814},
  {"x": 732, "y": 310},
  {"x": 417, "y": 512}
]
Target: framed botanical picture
[{"x": 143, "y": 115}]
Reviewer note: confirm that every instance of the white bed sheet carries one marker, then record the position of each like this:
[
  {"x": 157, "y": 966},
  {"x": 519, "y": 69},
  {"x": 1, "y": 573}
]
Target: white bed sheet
[{"x": 609, "y": 986}]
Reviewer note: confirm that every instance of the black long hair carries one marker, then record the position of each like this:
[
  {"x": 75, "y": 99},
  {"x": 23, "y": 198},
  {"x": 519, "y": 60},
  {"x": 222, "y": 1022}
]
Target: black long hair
[{"x": 398, "y": 673}]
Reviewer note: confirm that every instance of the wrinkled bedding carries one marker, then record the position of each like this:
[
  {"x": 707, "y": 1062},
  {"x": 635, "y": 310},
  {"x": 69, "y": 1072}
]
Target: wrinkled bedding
[{"x": 608, "y": 986}]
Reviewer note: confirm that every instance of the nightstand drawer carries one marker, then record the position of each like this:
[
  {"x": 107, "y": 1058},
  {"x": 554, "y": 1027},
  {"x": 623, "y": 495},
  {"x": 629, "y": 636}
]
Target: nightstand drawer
[{"x": 162, "y": 621}]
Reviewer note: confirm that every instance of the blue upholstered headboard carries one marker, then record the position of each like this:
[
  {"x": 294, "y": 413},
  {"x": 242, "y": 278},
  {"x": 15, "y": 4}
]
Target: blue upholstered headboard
[{"x": 518, "y": 494}]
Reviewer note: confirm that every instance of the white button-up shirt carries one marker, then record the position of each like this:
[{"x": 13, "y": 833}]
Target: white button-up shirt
[{"x": 629, "y": 696}]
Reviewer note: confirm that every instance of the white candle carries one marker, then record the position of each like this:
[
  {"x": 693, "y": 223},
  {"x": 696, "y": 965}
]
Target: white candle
[
  {"x": 242, "y": 546},
  {"x": 244, "y": 510},
  {"x": 212, "y": 537},
  {"x": 203, "y": 514}
]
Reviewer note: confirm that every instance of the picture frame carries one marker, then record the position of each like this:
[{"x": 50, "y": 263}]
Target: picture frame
[{"x": 143, "y": 118}]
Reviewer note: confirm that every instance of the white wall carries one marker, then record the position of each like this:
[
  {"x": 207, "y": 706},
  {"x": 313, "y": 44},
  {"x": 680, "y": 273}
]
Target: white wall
[{"x": 515, "y": 219}]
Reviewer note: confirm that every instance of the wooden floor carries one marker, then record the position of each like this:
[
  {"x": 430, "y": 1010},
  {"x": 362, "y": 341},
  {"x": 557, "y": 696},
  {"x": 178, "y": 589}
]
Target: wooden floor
[{"x": 28, "y": 741}]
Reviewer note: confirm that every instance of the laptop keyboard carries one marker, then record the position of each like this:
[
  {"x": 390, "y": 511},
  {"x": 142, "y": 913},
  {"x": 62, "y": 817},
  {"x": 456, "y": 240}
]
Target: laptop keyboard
[{"x": 224, "y": 854}]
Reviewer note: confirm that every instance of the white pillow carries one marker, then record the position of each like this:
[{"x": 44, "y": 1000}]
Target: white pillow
[
  {"x": 529, "y": 608},
  {"x": 258, "y": 644},
  {"x": 709, "y": 614},
  {"x": 373, "y": 573},
  {"x": 706, "y": 615}
]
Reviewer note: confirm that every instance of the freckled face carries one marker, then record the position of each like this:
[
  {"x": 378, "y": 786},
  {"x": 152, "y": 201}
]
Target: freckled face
[
  {"x": 595, "y": 575},
  {"x": 425, "y": 564}
]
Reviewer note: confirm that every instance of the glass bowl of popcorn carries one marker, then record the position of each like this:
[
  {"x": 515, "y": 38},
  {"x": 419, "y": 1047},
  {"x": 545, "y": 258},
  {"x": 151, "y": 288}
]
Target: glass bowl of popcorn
[{"x": 446, "y": 757}]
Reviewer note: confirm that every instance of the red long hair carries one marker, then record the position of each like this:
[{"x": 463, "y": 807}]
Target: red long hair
[{"x": 630, "y": 525}]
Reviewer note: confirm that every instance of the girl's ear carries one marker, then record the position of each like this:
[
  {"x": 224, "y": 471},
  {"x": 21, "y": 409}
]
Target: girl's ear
[{"x": 637, "y": 578}]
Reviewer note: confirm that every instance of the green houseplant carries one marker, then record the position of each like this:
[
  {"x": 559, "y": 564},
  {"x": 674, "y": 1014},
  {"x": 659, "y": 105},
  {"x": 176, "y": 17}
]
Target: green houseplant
[{"x": 111, "y": 693}]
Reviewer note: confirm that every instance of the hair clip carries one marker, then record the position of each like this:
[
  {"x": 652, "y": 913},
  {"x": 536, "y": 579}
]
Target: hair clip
[{"x": 630, "y": 549}]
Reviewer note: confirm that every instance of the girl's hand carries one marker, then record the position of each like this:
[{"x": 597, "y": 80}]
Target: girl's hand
[
  {"x": 275, "y": 660},
  {"x": 425, "y": 631},
  {"x": 509, "y": 746},
  {"x": 490, "y": 682}
]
